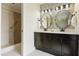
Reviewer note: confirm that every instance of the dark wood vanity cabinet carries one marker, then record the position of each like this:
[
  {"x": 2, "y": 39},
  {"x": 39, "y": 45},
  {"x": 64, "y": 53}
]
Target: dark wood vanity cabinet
[
  {"x": 57, "y": 44},
  {"x": 69, "y": 45},
  {"x": 78, "y": 45}
]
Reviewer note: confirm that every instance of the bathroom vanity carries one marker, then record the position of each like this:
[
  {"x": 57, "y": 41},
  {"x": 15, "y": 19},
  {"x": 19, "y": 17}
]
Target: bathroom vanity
[{"x": 57, "y": 43}]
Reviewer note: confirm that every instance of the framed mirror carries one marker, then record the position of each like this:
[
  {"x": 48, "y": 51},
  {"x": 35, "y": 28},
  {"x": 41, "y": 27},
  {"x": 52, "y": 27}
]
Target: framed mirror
[
  {"x": 46, "y": 21},
  {"x": 62, "y": 18}
]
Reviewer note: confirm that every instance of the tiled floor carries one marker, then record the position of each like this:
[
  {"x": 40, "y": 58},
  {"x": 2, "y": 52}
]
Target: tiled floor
[
  {"x": 11, "y": 53},
  {"x": 34, "y": 53},
  {"x": 15, "y": 52},
  {"x": 39, "y": 53}
]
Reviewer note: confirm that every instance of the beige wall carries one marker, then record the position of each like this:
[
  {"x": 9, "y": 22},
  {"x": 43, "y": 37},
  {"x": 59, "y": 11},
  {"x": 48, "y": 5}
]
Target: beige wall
[
  {"x": 30, "y": 14},
  {"x": 0, "y": 28}
]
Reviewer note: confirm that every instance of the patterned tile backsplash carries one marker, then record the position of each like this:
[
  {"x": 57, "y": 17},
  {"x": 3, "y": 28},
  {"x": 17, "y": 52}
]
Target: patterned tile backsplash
[{"x": 50, "y": 10}]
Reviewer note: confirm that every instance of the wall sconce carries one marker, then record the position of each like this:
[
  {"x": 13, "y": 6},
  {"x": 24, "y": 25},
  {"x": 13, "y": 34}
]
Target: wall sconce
[
  {"x": 67, "y": 6},
  {"x": 42, "y": 11},
  {"x": 61, "y": 7},
  {"x": 45, "y": 11},
  {"x": 56, "y": 8},
  {"x": 50, "y": 10}
]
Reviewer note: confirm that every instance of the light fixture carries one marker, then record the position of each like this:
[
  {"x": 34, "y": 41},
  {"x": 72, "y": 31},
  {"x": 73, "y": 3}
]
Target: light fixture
[
  {"x": 46, "y": 11},
  {"x": 67, "y": 6},
  {"x": 61, "y": 7},
  {"x": 56, "y": 8}
]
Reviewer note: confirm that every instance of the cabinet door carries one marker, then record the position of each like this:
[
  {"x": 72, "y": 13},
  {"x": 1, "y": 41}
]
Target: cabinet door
[
  {"x": 55, "y": 44},
  {"x": 69, "y": 45},
  {"x": 78, "y": 44},
  {"x": 37, "y": 40},
  {"x": 50, "y": 43}
]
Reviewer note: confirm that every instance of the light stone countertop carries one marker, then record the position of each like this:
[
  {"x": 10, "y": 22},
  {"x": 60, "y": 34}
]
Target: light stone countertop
[{"x": 74, "y": 33}]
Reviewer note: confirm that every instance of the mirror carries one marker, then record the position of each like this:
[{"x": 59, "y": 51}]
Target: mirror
[
  {"x": 46, "y": 21},
  {"x": 62, "y": 18}
]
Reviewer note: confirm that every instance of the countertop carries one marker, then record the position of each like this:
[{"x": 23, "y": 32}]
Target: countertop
[{"x": 74, "y": 33}]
